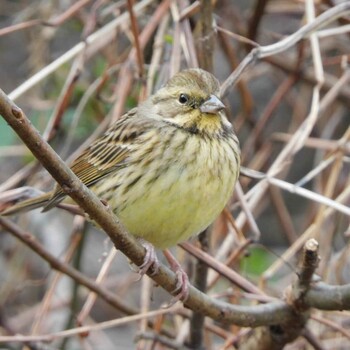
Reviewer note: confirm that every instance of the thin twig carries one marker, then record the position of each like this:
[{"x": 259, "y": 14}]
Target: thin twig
[
  {"x": 58, "y": 265},
  {"x": 264, "y": 51},
  {"x": 96, "y": 40}
]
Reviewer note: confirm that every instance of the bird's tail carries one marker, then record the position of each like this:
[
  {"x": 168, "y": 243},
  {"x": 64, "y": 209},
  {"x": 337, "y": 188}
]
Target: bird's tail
[{"x": 27, "y": 205}]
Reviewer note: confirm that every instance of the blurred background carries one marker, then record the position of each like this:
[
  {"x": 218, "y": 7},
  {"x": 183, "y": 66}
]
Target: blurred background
[{"x": 99, "y": 76}]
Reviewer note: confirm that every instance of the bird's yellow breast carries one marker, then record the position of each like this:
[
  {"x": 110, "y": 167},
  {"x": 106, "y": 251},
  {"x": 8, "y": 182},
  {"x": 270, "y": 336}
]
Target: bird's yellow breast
[{"x": 179, "y": 193}]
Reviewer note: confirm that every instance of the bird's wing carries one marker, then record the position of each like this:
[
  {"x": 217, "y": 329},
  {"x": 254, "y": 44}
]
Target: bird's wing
[{"x": 105, "y": 155}]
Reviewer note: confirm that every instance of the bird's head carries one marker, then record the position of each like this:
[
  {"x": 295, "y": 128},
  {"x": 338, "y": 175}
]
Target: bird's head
[{"x": 190, "y": 100}]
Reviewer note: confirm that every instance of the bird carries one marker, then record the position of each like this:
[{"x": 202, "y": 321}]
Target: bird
[{"x": 166, "y": 168}]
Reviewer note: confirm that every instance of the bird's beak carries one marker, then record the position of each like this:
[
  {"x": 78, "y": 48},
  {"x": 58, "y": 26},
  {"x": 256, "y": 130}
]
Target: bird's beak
[{"x": 212, "y": 105}]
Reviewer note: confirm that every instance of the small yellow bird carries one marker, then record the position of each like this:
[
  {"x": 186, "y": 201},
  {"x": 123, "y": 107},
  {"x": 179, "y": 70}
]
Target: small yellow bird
[{"x": 166, "y": 168}]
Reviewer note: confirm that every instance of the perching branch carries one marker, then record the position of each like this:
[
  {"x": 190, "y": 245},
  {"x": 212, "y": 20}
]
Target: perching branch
[
  {"x": 277, "y": 312},
  {"x": 277, "y": 336}
]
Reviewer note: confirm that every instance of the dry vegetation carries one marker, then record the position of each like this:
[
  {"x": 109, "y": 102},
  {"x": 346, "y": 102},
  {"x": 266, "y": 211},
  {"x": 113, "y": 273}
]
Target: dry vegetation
[{"x": 276, "y": 259}]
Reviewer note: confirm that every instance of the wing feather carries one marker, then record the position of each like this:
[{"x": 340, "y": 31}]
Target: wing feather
[{"x": 106, "y": 154}]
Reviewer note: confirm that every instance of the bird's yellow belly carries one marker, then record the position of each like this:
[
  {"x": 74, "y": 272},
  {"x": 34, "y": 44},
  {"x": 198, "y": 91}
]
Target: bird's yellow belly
[
  {"x": 167, "y": 217},
  {"x": 180, "y": 203}
]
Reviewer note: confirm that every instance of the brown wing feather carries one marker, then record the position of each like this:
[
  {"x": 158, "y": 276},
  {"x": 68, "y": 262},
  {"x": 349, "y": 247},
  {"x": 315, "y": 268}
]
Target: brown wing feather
[{"x": 105, "y": 155}]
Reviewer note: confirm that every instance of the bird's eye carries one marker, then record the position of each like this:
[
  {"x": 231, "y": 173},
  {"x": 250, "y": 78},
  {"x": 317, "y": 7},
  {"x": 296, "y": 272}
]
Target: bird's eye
[{"x": 183, "y": 98}]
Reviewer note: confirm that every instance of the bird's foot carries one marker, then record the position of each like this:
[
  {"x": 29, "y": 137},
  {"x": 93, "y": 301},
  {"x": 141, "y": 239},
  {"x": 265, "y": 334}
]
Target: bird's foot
[
  {"x": 149, "y": 260},
  {"x": 182, "y": 288}
]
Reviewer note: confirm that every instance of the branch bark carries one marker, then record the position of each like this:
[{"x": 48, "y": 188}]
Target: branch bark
[
  {"x": 87, "y": 200},
  {"x": 275, "y": 337},
  {"x": 277, "y": 312}
]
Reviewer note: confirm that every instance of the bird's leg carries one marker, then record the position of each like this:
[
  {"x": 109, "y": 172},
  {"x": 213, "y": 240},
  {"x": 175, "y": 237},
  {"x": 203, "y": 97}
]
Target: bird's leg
[
  {"x": 182, "y": 283},
  {"x": 149, "y": 259}
]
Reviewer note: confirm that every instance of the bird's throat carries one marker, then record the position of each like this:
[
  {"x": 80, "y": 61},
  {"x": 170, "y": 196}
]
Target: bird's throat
[{"x": 200, "y": 123}]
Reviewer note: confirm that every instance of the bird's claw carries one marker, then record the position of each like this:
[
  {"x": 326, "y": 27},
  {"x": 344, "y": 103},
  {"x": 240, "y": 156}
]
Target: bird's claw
[
  {"x": 182, "y": 288},
  {"x": 149, "y": 260}
]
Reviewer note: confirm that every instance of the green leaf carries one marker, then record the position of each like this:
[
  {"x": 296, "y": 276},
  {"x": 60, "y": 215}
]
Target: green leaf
[{"x": 257, "y": 261}]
